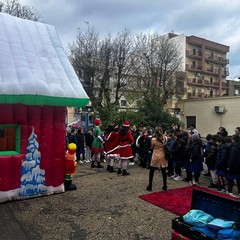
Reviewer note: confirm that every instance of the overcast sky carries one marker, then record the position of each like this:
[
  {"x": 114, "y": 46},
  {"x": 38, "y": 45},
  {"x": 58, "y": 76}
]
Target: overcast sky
[{"x": 215, "y": 20}]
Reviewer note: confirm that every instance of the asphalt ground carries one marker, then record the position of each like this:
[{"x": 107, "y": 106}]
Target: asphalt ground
[{"x": 104, "y": 206}]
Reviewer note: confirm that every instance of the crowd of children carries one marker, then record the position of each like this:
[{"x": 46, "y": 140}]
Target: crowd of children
[{"x": 126, "y": 145}]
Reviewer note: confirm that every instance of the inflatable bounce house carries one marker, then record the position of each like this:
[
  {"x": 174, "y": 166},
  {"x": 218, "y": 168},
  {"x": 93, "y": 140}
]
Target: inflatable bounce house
[{"x": 37, "y": 83}]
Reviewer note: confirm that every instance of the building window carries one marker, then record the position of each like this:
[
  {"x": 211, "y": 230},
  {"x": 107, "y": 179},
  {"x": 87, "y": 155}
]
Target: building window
[
  {"x": 193, "y": 64},
  {"x": 9, "y": 139},
  {"x": 193, "y": 92},
  {"x": 191, "y": 120},
  {"x": 123, "y": 103},
  {"x": 199, "y": 92},
  {"x": 236, "y": 92}
]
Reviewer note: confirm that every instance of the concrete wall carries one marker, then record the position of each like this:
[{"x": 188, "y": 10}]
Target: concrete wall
[{"x": 207, "y": 120}]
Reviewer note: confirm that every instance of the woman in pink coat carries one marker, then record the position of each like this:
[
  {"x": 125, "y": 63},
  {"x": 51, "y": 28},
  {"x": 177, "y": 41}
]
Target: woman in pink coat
[
  {"x": 158, "y": 160},
  {"x": 125, "y": 139}
]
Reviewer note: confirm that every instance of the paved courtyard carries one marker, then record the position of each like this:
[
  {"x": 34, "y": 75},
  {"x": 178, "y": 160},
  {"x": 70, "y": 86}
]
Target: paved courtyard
[{"x": 105, "y": 206}]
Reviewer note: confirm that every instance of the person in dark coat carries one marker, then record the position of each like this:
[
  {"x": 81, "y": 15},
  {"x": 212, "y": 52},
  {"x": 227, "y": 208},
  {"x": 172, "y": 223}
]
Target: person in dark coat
[
  {"x": 80, "y": 145},
  {"x": 177, "y": 156},
  {"x": 196, "y": 158},
  {"x": 221, "y": 162},
  {"x": 233, "y": 164},
  {"x": 211, "y": 161},
  {"x": 147, "y": 151},
  {"x": 222, "y": 132},
  {"x": 135, "y": 134},
  {"x": 140, "y": 146},
  {"x": 170, "y": 141},
  {"x": 72, "y": 136},
  {"x": 206, "y": 149}
]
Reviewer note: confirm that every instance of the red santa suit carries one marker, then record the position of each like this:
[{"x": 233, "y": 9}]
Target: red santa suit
[
  {"x": 125, "y": 145},
  {"x": 111, "y": 148}
]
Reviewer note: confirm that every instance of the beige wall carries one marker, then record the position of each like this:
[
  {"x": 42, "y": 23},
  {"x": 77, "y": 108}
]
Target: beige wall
[
  {"x": 207, "y": 120},
  {"x": 70, "y": 115}
]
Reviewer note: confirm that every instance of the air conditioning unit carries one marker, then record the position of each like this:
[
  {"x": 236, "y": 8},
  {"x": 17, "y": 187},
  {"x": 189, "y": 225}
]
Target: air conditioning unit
[{"x": 219, "y": 109}]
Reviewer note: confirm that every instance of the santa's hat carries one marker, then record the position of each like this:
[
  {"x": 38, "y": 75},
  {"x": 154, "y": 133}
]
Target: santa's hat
[
  {"x": 97, "y": 121},
  {"x": 126, "y": 123}
]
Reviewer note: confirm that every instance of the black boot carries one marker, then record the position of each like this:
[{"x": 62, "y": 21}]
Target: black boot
[
  {"x": 99, "y": 165},
  {"x": 119, "y": 171},
  {"x": 93, "y": 165},
  {"x": 66, "y": 184},
  {"x": 149, "y": 188},
  {"x": 69, "y": 186},
  {"x": 111, "y": 169},
  {"x": 108, "y": 168},
  {"x": 164, "y": 188},
  {"x": 151, "y": 174},
  {"x": 164, "y": 175},
  {"x": 125, "y": 173}
]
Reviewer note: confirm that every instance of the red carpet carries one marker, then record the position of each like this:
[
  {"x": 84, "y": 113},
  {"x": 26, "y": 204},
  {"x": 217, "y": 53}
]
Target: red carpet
[{"x": 177, "y": 201}]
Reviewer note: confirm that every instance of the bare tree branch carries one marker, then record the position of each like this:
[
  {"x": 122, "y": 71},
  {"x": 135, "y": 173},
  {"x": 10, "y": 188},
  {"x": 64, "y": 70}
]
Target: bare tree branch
[{"x": 14, "y": 8}]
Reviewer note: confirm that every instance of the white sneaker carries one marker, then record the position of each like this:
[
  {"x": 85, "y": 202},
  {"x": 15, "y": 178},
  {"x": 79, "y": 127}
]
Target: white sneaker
[
  {"x": 195, "y": 183},
  {"x": 174, "y": 176},
  {"x": 81, "y": 162},
  {"x": 178, "y": 178},
  {"x": 231, "y": 194},
  {"x": 87, "y": 161},
  {"x": 190, "y": 183}
]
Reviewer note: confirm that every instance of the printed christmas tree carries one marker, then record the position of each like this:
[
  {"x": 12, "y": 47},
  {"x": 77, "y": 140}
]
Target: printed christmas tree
[{"x": 33, "y": 177}]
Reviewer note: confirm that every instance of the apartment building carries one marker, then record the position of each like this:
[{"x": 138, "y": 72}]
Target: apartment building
[{"x": 206, "y": 65}]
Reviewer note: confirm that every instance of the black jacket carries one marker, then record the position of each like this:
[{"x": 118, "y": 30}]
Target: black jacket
[
  {"x": 89, "y": 139},
  {"x": 222, "y": 157},
  {"x": 233, "y": 163},
  {"x": 212, "y": 156},
  {"x": 178, "y": 150}
]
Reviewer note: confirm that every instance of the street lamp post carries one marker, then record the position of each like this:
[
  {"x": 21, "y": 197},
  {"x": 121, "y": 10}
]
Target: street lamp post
[{"x": 87, "y": 109}]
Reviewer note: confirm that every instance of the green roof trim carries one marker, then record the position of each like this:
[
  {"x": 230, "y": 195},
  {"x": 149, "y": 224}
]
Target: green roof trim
[{"x": 43, "y": 100}]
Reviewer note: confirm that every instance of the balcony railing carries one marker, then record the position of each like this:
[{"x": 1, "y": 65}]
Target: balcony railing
[
  {"x": 215, "y": 71},
  {"x": 205, "y": 83},
  {"x": 214, "y": 58},
  {"x": 193, "y": 67},
  {"x": 192, "y": 53}
]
